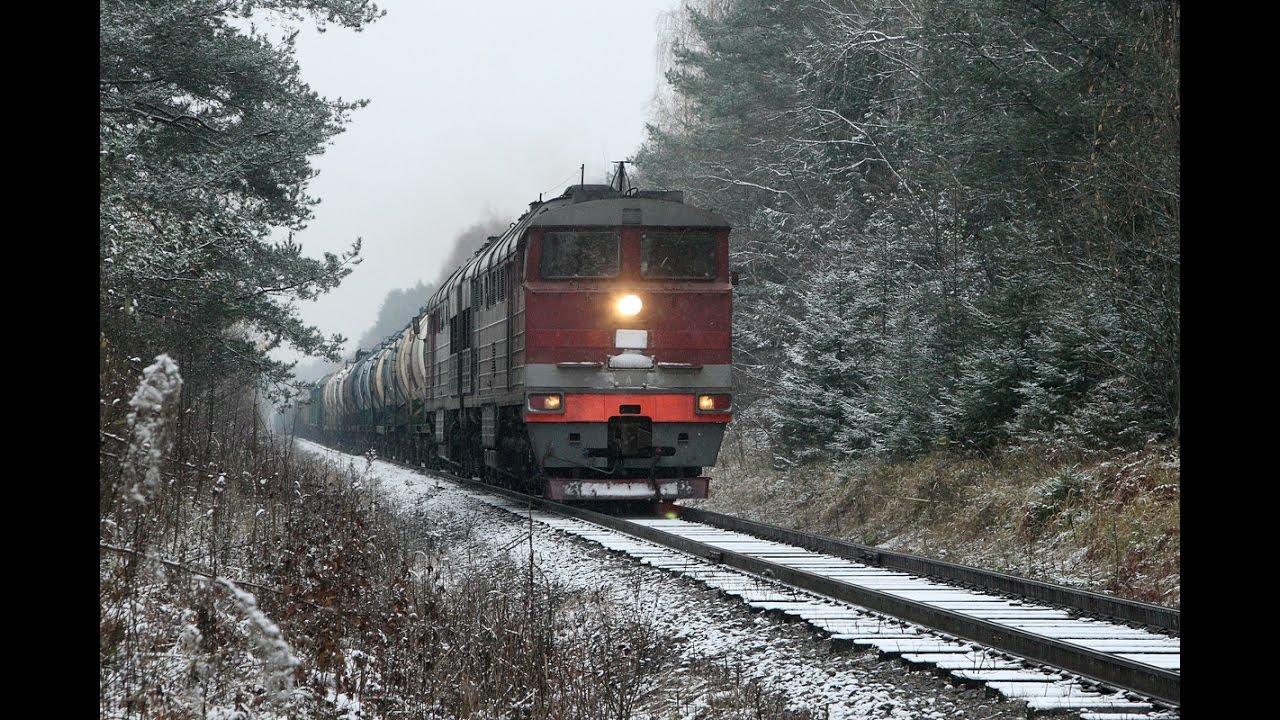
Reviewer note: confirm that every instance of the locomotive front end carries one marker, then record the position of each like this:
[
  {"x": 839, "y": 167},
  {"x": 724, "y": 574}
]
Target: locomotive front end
[{"x": 628, "y": 361}]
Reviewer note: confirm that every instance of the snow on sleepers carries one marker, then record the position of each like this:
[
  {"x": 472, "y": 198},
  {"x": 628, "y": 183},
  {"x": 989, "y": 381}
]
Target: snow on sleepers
[
  {"x": 1001, "y": 614},
  {"x": 854, "y": 636},
  {"x": 804, "y": 606},
  {"x": 1005, "y": 675},
  {"x": 972, "y": 660},
  {"x": 1063, "y": 694},
  {"x": 1128, "y": 645},
  {"x": 893, "y": 647},
  {"x": 1082, "y": 702},
  {"x": 1168, "y": 662},
  {"x": 1069, "y": 632},
  {"x": 1115, "y": 716}
]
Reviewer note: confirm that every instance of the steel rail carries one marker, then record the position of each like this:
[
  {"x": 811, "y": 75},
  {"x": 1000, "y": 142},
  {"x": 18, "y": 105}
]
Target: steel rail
[
  {"x": 1162, "y": 619},
  {"x": 1159, "y": 684}
]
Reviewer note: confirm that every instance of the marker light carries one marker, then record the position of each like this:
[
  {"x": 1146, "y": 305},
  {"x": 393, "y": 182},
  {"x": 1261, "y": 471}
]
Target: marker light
[
  {"x": 630, "y": 305},
  {"x": 714, "y": 403},
  {"x": 545, "y": 403}
]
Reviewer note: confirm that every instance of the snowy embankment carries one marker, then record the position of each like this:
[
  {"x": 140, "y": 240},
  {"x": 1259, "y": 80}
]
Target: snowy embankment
[{"x": 706, "y": 635}]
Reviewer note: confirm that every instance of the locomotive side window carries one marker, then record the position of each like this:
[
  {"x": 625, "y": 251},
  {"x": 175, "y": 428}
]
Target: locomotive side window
[
  {"x": 684, "y": 255},
  {"x": 579, "y": 255}
]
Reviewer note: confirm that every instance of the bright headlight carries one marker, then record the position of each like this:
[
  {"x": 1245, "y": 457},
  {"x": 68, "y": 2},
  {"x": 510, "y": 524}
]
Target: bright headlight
[{"x": 629, "y": 305}]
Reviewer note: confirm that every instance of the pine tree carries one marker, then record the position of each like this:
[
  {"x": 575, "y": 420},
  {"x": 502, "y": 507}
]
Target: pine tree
[{"x": 206, "y": 131}]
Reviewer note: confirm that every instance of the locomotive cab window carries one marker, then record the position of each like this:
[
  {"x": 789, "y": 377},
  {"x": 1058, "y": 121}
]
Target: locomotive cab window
[
  {"x": 579, "y": 255},
  {"x": 683, "y": 255}
]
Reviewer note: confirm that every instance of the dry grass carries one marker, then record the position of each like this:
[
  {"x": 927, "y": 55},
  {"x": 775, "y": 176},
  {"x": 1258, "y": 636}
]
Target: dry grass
[
  {"x": 249, "y": 582},
  {"x": 1110, "y": 525}
]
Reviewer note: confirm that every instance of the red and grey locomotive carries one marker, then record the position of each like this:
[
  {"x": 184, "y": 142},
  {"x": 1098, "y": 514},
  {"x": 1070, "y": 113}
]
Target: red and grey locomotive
[{"x": 584, "y": 354}]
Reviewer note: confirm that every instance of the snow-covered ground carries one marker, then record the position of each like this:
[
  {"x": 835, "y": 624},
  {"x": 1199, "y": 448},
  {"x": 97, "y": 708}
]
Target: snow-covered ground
[{"x": 705, "y": 627}]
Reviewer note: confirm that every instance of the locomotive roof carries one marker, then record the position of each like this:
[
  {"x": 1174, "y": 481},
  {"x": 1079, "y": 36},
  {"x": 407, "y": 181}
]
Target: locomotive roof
[
  {"x": 662, "y": 209},
  {"x": 582, "y": 205}
]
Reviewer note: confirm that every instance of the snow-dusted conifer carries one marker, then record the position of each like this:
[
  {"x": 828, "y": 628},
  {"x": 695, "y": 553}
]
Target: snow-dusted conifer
[
  {"x": 205, "y": 134},
  {"x": 1023, "y": 158}
]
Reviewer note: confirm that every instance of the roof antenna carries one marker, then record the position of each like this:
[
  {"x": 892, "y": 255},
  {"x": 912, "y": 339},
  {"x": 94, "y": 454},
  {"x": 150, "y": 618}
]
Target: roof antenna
[{"x": 621, "y": 176}]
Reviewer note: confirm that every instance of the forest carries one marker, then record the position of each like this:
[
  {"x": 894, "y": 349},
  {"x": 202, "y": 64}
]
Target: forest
[{"x": 957, "y": 221}]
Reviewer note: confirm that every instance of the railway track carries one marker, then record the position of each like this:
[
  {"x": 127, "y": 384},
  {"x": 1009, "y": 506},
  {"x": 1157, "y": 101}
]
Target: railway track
[{"x": 1057, "y": 649}]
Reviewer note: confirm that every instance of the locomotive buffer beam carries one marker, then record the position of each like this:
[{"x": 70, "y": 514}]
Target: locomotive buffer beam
[
  {"x": 645, "y": 452},
  {"x": 641, "y": 488}
]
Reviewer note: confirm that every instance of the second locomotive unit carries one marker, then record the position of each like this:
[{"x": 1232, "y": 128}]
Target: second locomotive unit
[{"x": 584, "y": 353}]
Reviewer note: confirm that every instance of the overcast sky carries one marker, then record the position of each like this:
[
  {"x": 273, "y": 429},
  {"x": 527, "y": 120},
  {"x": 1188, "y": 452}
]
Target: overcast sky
[{"x": 476, "y": 108}]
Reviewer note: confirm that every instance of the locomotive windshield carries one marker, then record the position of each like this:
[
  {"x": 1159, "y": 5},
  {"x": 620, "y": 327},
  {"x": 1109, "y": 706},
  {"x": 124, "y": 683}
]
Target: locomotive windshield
[
  {"x": 687, "y": 255},
  {"x": 579, "y": 255}
]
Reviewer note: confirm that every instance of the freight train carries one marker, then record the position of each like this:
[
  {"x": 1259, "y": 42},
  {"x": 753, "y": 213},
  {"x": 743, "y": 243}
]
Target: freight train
[{"x": 584, "y": 354}]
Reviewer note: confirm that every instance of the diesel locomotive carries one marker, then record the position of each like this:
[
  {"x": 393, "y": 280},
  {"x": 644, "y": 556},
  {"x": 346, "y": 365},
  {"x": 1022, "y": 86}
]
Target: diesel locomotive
[{"x": 583, "y": 354}]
